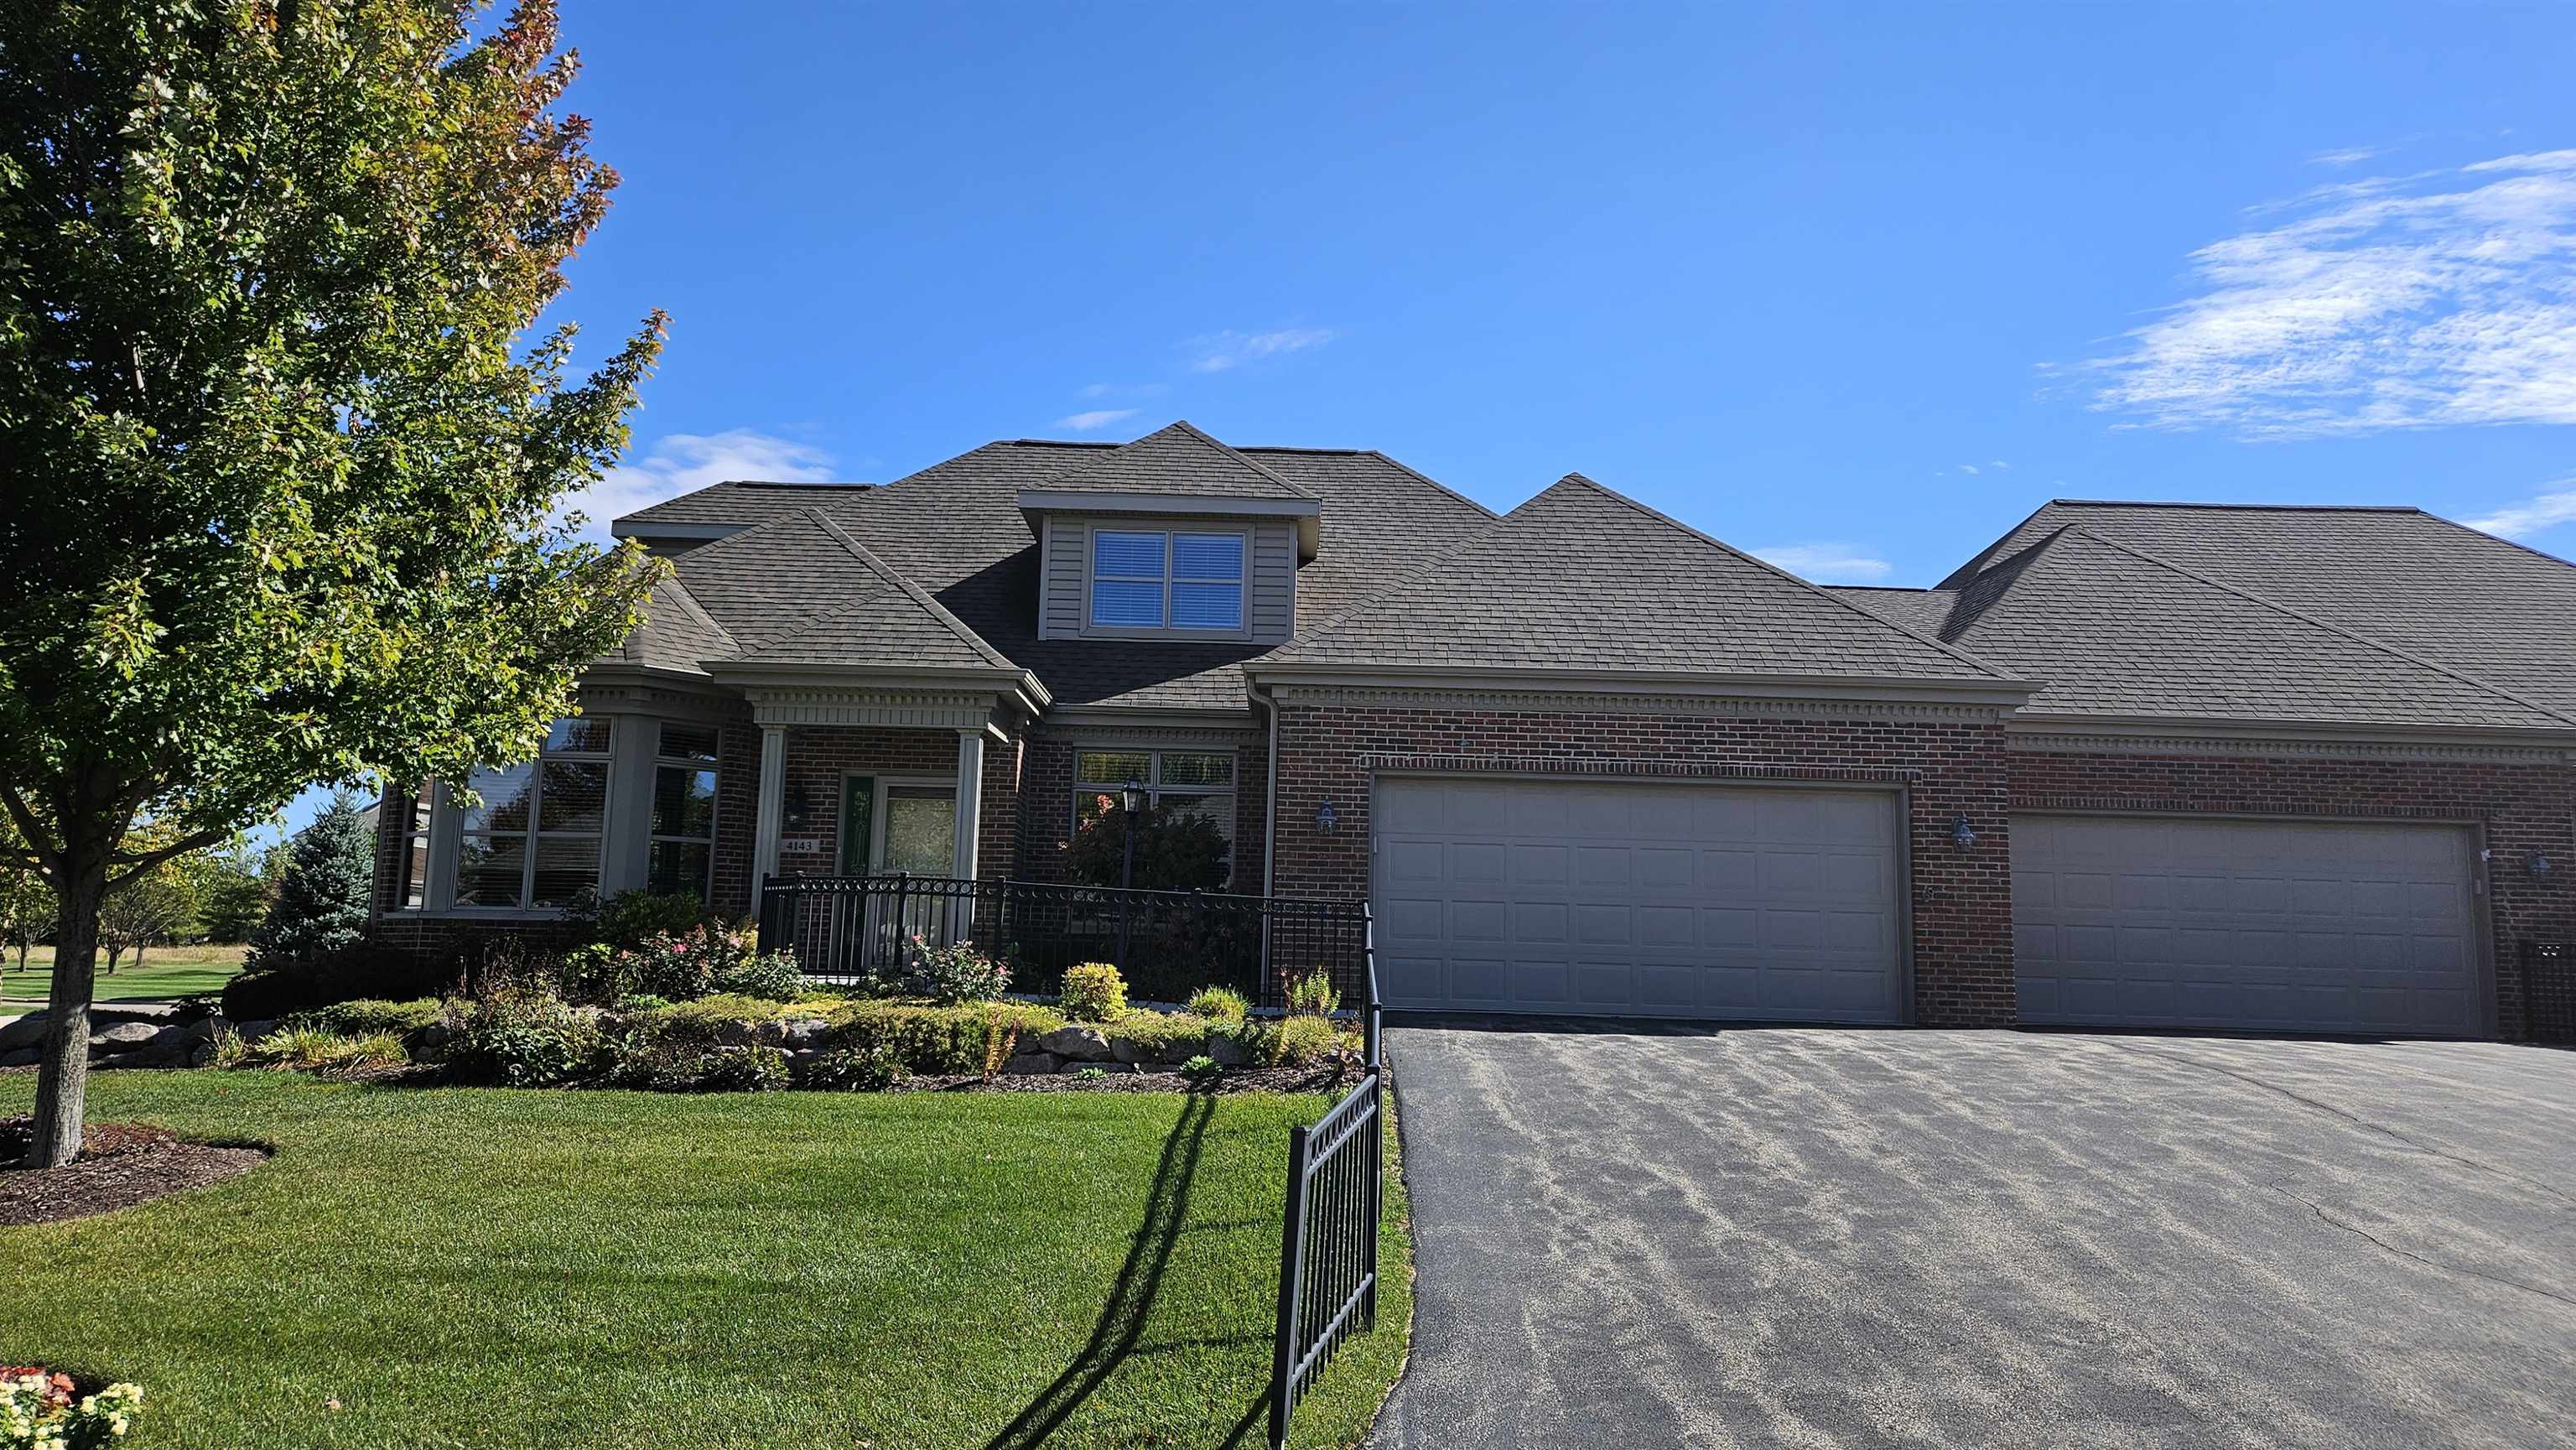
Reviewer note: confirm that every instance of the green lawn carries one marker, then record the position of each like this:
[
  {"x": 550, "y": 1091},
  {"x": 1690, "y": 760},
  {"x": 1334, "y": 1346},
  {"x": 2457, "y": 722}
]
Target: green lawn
[
  {"x": 166, "y": 972},
  {"x": 488, "y": 1268}
]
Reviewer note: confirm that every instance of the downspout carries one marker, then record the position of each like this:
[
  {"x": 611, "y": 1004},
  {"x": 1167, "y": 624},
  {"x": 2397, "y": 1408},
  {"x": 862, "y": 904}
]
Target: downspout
[{"x": 1270, "y": 799}]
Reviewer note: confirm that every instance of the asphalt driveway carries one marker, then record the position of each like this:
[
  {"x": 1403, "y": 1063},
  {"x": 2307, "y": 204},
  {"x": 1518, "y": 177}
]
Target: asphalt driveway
[{"x": 1786, "y": 1237}]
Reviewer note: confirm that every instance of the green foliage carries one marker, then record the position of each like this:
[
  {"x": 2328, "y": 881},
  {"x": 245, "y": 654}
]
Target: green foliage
[
  {"x": 320, "y": 915},
  {"x": 743, "y": 1070},
  {"x": 630, "y": 918},
  {"x": 1164, "y": 1037},
  {"x": 1314, "y": 992},
  {"x": 1304, "y": 1041},
  {"x": 232, "y": 896},
  {"x": 711, "y": 1018},
  {"x": 295, "y": 1047},
  {"x": 1176, "y": 850},
  {"x": 708, "y": 957},
  {"x": 1093, "y": 992},
  {"x": 266, "y": 996},
  {"x": 520, "y": 1039},
  {"x": 281, "y": 451},
  {"x": 870, "y": 1069},
  {"x": 957, "y": 972},
  {"x": 369, "y": 1015},
  {"x": 943, "y": 1040},
  {"x": 1219, "y": 1004},
  {"x": 1202, "y": 1067}
]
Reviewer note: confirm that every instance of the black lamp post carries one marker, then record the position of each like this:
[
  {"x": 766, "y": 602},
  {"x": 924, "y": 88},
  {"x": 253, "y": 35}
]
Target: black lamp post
[{"x": 1131, "y": 799}]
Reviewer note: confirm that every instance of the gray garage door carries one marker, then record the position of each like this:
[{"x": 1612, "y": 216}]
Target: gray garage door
[
  {"x": 1652, "y": 900},
  {"x": 2293, "y": 925}
]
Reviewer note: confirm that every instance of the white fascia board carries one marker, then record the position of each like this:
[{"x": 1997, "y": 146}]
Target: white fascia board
[
  {"x": 2005, "y": 693},
  {"x": 1308, "y": 513}
]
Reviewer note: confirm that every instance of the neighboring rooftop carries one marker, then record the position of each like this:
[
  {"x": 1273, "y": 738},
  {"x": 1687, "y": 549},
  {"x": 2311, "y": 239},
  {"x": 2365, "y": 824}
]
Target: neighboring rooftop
[{"x": 2469, "y": 601}]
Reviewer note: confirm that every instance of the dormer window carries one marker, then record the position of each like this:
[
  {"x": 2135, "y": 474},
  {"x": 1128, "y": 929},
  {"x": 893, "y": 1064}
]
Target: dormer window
[{"x": 1156, "y": 580}]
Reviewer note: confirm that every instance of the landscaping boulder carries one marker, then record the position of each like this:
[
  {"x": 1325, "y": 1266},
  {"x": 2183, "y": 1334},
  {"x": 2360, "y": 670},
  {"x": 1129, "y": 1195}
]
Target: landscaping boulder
[
  {"x": 19, "y": 1032},
  {"x": 166, "y": 1047},
  {"x": 1082, "y": 1044},
  {"x": 122, "y": 1037},
  {"x": 156, "y": 1013},
  {"x": 1228, "y": 1050},
  {"x": 255, "y": 1028},
  {"x": 205, "y": 1029},
  {"x": 1032, "y": 1064},
  {"x": 805, "y": 1034}
]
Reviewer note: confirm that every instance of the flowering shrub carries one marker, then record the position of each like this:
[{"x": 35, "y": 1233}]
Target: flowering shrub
[
  {"x": 1094, "y": 992},
  {"x": 40, "y": 1411},
  {"x": 515, "y": 1038},
  {"x": 682, "y": 966},
  {"x": 958, "y": 973}
]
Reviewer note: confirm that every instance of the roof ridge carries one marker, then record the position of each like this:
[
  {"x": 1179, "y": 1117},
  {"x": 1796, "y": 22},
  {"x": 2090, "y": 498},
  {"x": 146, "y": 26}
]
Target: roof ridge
[
  {"x": 2313, "y": 508},
  {"x": 1403, "y": 467},
  {"x": 2368, "y": 641},
  {"x": 1187, "y": 429},
  {"x": 909, "y": 589},
  {"x": 697, "y": 611},
  {"x": 1767, "y": 566},
  {"x": 1250, "y": 462},
  {"x": 2537, "y": 553}
]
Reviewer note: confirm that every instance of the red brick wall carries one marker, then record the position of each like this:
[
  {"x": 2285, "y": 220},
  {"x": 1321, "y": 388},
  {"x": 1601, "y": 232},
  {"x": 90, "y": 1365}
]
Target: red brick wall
[
  {"x": 1962, "y": 900},
  {"x": 818, "y": 756},
  {"x": 2523, "y": 808}
]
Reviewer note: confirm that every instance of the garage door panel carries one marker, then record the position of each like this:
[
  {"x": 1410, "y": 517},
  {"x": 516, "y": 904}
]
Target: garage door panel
[
  {"x": 2307, "y": 925},
  {"x": 1657, "y": 898}
]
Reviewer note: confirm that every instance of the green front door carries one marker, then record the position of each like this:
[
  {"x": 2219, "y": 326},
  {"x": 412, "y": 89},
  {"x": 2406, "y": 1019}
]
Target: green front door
[{"x": 858, "y": 822}]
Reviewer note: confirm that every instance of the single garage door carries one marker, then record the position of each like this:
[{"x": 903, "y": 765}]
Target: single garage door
[
  {"x": 1667, "y": 900},
  {"x": 2317, "y": 926}
]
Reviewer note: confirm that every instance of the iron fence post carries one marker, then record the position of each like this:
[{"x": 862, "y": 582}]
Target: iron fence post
[{"x": 1292, "y": 1273}]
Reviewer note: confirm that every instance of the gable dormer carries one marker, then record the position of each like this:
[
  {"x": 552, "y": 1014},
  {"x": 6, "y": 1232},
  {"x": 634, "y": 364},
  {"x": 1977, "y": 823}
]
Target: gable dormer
[{"x": 1172, "y": 537}]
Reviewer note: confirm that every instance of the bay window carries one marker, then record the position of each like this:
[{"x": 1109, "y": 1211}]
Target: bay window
[
  {"x": 682, "y": 854},
  {"x": 535, "y": 840}
]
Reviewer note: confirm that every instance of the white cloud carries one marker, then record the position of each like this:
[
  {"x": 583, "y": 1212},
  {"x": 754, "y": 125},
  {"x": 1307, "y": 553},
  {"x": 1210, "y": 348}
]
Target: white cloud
[
  {"x": 2344, "y": 156},
  {"x": 1969, "y": 469},
  {"x": 1826, "y": 563},
  {"x": 1096, "y": 418},
  {"x": 1999, "y": 463},
  {"x": 2409, "y": 302},
  {"x": 680, "y": 462},
  {"x": 1232, "y": 349},
  {"x": 2541, "y": 511}
]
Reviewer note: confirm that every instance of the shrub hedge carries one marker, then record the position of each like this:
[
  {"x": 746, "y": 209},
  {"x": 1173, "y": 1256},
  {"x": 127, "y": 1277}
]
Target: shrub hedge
[{"x": 935, "y": 1039}]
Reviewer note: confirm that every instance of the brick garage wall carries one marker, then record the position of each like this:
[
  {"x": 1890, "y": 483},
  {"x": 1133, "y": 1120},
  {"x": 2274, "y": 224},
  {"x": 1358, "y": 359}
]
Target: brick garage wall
[
  {"x": 1048, "y": 795},
  {"x": 820, "y": 756},
  {"x": 1962, "y": 900},
  {"x": 2523, "y": 807}
]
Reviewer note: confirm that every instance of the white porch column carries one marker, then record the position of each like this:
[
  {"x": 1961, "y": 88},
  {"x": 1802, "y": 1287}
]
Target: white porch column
[
  {"x": 773, "y": 806},
  {"x": 970, "y": 800}
]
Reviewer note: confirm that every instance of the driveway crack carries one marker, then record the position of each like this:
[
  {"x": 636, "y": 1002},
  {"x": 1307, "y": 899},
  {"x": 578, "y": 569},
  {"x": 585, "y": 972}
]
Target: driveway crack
[{"x": 2359, "y": 1232}]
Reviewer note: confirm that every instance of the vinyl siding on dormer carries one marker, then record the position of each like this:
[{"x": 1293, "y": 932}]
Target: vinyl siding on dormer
[{"x": 1270, "y": 562}]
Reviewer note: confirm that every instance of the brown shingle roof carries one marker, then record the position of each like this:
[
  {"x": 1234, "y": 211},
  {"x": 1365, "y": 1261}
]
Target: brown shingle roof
[
  {"x": 1581, "y": 578},
  {"x": 1177, "y": 460}
]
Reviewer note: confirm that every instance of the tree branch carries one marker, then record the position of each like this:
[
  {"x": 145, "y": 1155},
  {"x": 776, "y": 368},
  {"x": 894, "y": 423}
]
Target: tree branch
[{"x": 140, "y": 862}]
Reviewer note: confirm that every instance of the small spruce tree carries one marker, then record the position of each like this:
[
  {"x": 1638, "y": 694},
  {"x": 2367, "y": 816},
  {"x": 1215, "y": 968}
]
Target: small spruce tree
[{"x": 321, "y": 908}]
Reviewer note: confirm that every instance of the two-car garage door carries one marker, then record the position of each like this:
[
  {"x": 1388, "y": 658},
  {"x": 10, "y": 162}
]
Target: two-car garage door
[
  {"x": 1646, "y": 899},
  {"x": 2316, "y": 926}
]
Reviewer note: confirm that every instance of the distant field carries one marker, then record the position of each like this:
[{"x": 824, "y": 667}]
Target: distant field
[{"x": 166, "y": 972}]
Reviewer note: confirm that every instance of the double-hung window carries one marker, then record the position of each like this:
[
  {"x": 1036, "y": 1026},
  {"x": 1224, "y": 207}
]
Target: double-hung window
[
  {"x": 682, "y": 853},
  {"x": 1192, "y": 782},
  {"x": 1155, "y": 580},
  {"x": 535, "y": 839}
]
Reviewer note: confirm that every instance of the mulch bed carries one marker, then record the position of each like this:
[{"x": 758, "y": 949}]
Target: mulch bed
[
  {"x": 1115, "y": 1079},
  {"x": 121, "y": 1165}
]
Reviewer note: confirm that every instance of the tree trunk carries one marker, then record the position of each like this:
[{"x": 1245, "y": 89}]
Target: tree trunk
[
  {"x": 138, "y": 954},
  {"x": 63, "y": 1079}
]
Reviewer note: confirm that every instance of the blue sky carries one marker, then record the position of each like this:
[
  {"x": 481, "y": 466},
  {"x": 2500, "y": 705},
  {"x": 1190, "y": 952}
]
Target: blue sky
[{"x": 1856, "y": 287}]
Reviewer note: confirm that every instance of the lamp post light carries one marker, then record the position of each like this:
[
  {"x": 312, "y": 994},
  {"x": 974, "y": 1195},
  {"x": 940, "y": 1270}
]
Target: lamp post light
[{"x": 1131, "y": 799}]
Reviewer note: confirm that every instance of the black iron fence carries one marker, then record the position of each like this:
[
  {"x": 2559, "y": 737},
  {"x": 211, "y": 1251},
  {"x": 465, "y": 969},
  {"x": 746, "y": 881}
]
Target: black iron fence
[
  {"x": 2549, "y": 990},
  {"x": 1167, "y": 944},
  {"x": 1328, "y": 1234}
]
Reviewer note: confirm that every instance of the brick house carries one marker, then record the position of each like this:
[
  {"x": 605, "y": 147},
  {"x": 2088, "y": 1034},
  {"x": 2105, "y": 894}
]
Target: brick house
[{"x": 2276, "y": 769}]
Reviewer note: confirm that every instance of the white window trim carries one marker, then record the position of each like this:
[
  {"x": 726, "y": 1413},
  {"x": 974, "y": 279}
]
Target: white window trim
[{"x": 1166, "y": 630}]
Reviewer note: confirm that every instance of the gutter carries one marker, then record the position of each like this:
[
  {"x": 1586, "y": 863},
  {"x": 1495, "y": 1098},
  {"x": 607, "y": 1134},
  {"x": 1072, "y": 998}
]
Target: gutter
[{"x": 1270, "y": 800}]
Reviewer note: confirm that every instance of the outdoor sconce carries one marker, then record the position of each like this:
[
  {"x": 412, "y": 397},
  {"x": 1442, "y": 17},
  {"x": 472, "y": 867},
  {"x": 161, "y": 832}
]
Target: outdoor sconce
[
  {"x": 2539, "y": 865},
  {"x": 1961, "y": 835},
  {"x": 1326, "y": 818},
  {"x": 1131, "y": 797},
  {"x": 800, "y": 806}
]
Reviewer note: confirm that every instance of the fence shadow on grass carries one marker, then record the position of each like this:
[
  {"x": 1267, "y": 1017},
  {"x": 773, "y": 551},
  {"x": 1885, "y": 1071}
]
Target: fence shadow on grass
[{"x": 1131, "y": 1296}]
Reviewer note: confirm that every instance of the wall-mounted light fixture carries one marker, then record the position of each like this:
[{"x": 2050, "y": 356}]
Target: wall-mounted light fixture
[
  {"x": 1961, "y": 834},
  {"x": 2539, "y": 865},
  {"x": 1326, "y": 818},
  {"x": 800, "y": 806}
]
